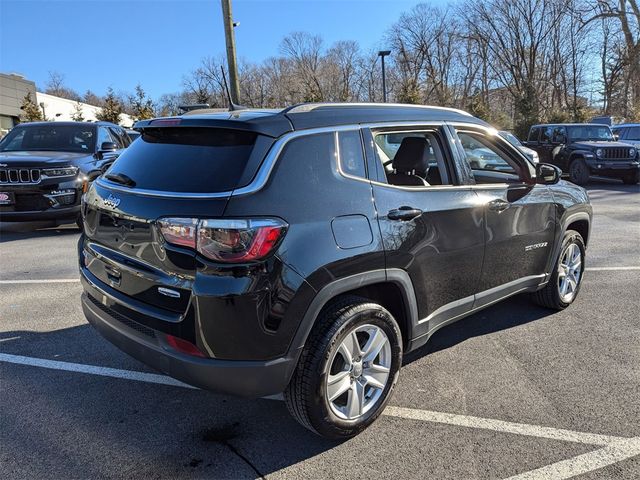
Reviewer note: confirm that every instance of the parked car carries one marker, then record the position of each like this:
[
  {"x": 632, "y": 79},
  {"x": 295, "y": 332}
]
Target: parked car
[
  {"x": 45, "y": 166},
  {"x": 628, "y": 133},
  {"x": 584, "y": 149},
  {"x": 133, "y": 134},
  {"x": 515, "y": 141},
  {"x": 296, "y": 252}
]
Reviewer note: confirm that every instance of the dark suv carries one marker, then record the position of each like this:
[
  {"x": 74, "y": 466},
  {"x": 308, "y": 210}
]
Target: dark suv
[
  {"x": 584, "y": 149},
  {"x": 45, "y": 166},
  {"x": 305, "y": 250}
]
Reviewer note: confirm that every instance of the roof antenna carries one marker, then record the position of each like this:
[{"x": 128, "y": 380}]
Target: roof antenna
[{"x": 232, "y": 106}]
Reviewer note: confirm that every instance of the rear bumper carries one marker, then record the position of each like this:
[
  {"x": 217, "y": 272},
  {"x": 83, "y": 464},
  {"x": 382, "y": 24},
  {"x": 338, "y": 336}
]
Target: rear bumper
[{"x": 244, "y": 378}]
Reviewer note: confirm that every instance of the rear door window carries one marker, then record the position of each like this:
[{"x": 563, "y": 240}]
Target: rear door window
[{"x": 188, "y": 159}]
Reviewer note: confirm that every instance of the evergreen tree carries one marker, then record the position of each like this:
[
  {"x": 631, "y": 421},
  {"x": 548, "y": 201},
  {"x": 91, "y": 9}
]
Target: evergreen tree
[
  {"x": 111, "y": 110},
  {"x": 77, "y": 115},
  {"x": 31, "y": 112},
  {"x": 142, "y": 106}
]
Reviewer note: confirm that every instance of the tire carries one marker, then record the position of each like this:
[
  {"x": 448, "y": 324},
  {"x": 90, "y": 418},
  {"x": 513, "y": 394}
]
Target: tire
[
  {"x": 631, "y": 179},
  {"x": 551, "y": 296},
  {"x": 322, "y": 359},
  {"x": 80, "y": 224},
  {"x": 579, "y": 172}
]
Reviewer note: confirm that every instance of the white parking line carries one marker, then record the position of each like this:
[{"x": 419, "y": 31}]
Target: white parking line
[
  {"x": 611, "y": 269},
  {"x": 614, "y": 449},
  {"x": 49, "y": 280},
  {"x": 500, "y": 426},
  {"x": 93, "y": 370},
  {"x": 585, "y": 463}
]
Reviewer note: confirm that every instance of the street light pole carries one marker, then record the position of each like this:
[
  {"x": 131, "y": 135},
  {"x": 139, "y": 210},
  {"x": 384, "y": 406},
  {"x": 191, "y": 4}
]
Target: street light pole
[
  {"x": 382, "y": 54},
  {"x": 229, "y": 35}
]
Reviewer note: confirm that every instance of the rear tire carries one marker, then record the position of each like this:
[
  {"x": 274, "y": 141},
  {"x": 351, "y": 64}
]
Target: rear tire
[
  {"x": 347, "y": 370},
  {"x": 631, "y": 179},
  {"x": 579, "y": 172},
  {"x": 564, "y": 285}
]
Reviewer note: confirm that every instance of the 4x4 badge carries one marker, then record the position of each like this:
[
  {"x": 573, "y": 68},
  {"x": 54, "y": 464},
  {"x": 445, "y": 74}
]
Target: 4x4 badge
[{"x": 111, "y": 201}]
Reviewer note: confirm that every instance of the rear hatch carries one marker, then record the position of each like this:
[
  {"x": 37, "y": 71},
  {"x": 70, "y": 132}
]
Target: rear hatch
[{"x": 170, "y": 171}]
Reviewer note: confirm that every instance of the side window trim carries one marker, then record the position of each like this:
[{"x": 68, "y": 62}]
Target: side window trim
[{"x": 339, "y": 157}]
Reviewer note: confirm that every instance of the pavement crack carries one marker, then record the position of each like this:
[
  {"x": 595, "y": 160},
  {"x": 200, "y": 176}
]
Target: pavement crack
[{"x": 243, "y": 458}]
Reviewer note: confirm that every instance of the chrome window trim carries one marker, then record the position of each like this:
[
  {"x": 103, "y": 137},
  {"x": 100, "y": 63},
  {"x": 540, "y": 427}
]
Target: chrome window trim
[{"x": 264, "y": 172}]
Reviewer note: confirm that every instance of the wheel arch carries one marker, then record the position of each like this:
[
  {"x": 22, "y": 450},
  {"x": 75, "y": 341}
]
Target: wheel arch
[{"x": 390, "y": 288}]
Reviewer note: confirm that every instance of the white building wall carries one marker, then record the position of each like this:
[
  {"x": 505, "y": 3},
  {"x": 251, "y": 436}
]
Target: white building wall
[{"x": 61, "y": 110}]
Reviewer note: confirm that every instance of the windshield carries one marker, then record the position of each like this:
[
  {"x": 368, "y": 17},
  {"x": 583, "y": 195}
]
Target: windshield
[
  {"x": 511, "y": 138},
  {"x": 58, "y": 138},
  {"x": 597, "y": 133}
]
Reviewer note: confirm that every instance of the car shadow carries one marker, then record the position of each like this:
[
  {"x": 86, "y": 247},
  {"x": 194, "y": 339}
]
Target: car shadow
[
  {"x": 179, "y": 430},
  {"x": 172, "y": 430},
  {"x": 610, "y": 185},
  {"x": 514, "y": 312},
  {"x": 10, "y": 231}
]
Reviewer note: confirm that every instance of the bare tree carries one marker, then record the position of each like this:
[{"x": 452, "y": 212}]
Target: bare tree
[{"x": 56, "y": 86}]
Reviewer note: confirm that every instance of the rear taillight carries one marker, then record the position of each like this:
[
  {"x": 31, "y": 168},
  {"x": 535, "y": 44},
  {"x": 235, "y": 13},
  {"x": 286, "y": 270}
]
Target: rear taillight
[{"x": 225, "y": 240}]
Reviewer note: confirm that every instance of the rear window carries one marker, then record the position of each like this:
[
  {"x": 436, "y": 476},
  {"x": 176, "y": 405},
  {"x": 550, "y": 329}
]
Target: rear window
[{"x": 186, "y": 159}]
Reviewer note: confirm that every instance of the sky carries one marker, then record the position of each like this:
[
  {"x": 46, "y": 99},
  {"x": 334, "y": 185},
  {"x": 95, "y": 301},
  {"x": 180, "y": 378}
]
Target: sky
[{"x": 96, "y": 44}]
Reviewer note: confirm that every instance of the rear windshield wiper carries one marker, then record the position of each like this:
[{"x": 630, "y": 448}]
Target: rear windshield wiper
[{"x": 120, "y": 178}]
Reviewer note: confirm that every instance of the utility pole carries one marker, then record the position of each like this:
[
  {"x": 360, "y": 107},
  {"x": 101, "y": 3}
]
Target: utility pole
[
  {"x": 229, "y": 35},
  {"x": 382, "y": 54}
]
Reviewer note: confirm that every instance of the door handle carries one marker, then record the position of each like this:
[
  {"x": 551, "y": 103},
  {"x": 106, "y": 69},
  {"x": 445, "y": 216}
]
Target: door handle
[
  {"x": 498, "y": 205},
  {"x": 404, "y": 213}
]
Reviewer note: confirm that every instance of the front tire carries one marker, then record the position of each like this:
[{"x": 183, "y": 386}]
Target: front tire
[
  {"x": 564, "y": 284},
  {"x": 347, "y": 370},
  {"x": 579, "y": 172}
]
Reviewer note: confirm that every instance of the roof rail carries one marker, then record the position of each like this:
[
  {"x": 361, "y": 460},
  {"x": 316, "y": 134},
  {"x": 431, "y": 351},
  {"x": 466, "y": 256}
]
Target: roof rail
[{"x": 309, "y": 107}]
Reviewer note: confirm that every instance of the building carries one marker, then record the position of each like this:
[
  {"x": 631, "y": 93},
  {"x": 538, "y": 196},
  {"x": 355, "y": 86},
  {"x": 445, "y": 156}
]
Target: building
[
  {"x": 13, "y": 89},
  {"x": 62, "y": 109}
]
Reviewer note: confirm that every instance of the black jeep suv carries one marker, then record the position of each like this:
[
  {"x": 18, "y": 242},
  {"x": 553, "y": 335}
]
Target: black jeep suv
[
  {"x": 304, "y": 250},
  {"x": 45, "y": 166},
  {"x": 584, "y": 149}
]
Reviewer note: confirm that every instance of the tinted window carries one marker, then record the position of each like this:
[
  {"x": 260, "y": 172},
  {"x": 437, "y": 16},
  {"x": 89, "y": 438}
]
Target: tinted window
[
  {"x": 59, "y": 138},
  {"x": 483, "y": 154},
  {"x": 351, "y": 156},
  {"x": 186, "y": 159},
  {"x": 547, "y": 135},
  {"x": 590, "y": 132},
  {"x": 633, "y": 133},
  {"x": 104, "y": 135},
  {"x": 534, "y": 133}
]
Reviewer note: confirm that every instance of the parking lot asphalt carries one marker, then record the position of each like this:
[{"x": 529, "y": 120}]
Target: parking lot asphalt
[{"x": 513, "y": 391}]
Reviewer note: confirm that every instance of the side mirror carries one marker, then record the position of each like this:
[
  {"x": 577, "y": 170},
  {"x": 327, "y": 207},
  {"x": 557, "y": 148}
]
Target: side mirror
[
  {"x": 547, "y": 174},
  {"x": 616, "y": 136},
  {"x": 108, "y": 147}
]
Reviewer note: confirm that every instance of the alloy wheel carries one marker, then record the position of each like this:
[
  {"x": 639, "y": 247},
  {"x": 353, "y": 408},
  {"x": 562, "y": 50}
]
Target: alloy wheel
[
  {"x": 569, "y": 273},
  {"x": 358, "y": 372}
]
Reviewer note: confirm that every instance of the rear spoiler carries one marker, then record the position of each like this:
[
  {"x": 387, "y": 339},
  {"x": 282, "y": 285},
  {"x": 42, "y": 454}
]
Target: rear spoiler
[{"x": 271, "y": 125}]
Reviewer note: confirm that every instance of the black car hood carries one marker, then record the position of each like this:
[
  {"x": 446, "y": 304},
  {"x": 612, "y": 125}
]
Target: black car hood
[
  {"x": 588, "y": 145},
  {"x": 40, "y": 159}
]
